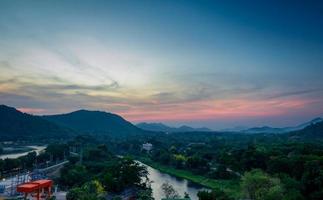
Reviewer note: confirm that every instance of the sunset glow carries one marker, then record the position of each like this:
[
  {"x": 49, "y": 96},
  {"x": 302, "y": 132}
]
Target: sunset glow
[{"x": 162, "y": 63}]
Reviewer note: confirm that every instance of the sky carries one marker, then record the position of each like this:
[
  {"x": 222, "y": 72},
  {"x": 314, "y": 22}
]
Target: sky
[{"x": 201, "y": 63}]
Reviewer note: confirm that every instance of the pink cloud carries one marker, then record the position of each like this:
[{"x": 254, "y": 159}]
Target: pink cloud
[
  {"x": 217, "y": 109},
  {"x": 32, "y": 110}
]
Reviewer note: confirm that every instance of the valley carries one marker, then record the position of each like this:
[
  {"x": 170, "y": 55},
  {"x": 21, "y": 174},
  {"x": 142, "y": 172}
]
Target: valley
[{"x": 194, "y": 163}]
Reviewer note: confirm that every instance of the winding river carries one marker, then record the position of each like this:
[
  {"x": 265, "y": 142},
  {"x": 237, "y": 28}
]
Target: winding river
[
  {"x": 158, "y": 178},
  {"x": 179, "y": 184},
  {"x": 38, "y": 149}
]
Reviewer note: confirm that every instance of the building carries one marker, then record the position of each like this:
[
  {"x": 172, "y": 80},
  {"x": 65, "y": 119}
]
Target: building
[{"x": 147, "y": 146}]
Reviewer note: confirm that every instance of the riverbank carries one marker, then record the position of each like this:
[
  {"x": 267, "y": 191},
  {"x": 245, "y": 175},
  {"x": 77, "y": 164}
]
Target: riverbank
[
  {"x": 16, "y": 152},
  {"x": 231, "y": 187},
  {"x": 13, "y": 150}
]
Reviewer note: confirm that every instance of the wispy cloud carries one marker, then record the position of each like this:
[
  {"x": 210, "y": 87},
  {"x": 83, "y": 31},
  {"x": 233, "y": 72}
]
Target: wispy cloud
[
  {"x": 168, "y": 68},
  {"x": 296, "y": 93}
]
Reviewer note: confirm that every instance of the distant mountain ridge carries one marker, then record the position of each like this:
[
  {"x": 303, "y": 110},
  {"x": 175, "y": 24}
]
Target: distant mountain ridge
[
  {"x": 18, "y": 125},
  {"x": 94, "y": 122},
  {"x": 267, "y": 129},
  {"x": 311, "y": 132},
  {"x": 160, "y": 127}
]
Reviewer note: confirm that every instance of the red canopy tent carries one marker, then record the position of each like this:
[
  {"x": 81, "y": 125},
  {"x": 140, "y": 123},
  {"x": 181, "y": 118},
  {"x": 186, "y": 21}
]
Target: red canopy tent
[{"x": 36, "y": 187}]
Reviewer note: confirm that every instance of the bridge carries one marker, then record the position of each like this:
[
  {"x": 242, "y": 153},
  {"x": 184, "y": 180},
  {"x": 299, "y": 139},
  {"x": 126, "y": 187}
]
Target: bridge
[{"x": 53, "y": 167}]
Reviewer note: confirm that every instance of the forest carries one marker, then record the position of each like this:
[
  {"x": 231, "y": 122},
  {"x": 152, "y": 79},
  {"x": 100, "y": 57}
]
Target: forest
[
  {"x": 231, "y": 165},
  {"x": 235, "y": 166}
]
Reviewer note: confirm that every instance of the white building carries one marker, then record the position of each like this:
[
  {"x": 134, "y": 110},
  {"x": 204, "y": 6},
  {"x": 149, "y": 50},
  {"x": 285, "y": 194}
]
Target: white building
[{"x": 147, "y": 146}]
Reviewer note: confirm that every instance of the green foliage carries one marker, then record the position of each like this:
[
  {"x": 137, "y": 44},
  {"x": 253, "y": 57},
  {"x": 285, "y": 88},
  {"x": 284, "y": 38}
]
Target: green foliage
[
  {"x": 292, "y": 188},
  {"x": 116, "y": 198},
  {"x": 74, "y": 175},
  {"x": 197, "y": 164},
  {"x": 92, "y": 190},
  {"x": 57, "y": 151},
  {"x": 95, "y": 122},
  {"x": 15, "y": 125},
  {"x": 213, "y": 195},
  {"x": 145, "y": 194},
  {"x": 123, "y": 173},
  {"x": 169, "y": 191},
  {"x": 312, "y": 180},
  {"x": 98, "y": 153},
  {"x": 73, "y": 159},
  {"x": 258, "y": 185},
  {"x": 312, "y": 132},
  {"x": 114, "y": 173},
  {"x": 222, "y": 172},
  {"x": 293, "y": 195}
]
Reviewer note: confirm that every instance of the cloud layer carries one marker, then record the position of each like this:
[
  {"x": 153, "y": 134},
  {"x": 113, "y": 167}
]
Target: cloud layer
[{"x": 189, "y": 66}]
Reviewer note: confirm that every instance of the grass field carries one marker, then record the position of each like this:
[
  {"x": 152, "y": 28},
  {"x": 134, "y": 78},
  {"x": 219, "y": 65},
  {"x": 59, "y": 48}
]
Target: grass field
[{"x": 231, "y": 187}]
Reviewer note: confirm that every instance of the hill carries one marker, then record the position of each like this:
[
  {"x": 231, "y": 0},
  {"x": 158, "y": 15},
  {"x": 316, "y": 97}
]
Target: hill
[
  {"x": 159, "y": 127},
  {"x": 304, "y": 125},
  {"x": 95, "y": 122},
  {"x": 17, "y": 125},
  {"x": 267, "y": 129},
  {"x": 311, "y": 132}
]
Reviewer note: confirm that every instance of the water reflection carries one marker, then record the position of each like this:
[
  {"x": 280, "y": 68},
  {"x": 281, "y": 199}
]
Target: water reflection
[{"x": 179, "y": 184}]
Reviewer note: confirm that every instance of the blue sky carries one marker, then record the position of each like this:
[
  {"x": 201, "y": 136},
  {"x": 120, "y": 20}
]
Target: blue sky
[{"x": 202, "y": 63}]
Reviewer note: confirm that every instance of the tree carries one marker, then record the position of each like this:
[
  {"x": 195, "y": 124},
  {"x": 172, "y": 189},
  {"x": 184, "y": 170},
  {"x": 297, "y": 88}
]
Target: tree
[
  {"x": 197, "y": 164},
  {"x": 178, "y": 160},
  {"x": 28, "y": 160},
  {"x": 252, "y": 158},
  {"x": 221, "y": 172},
  {"x": 123, "y": 173},
  {"x": 169, "y": 191},
  {"x": 92, "y": 190},
  {"x": 312, "y": 180},
  {"x": 145, "y": 194},
  {"x": 74, "y": 175},
  {"x": 279, "y": 165},
  {"x": 213, "y": 195},
  {"x": 292, "y": 188},
  {"x": 258, "y": 185},
  {"x": 58, "y": 151}
]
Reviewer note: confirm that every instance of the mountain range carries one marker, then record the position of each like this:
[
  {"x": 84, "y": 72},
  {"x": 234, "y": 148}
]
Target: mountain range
[
  {"x": 160, "y": 127},
  {"x": 15, "y": 124},
  {"x": 86, "y": 121},
  {"x": 312, "y": 132},
  {"x": 267, "y": 129}
]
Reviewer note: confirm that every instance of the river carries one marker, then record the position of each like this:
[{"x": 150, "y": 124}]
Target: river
[
  {"x": 38, "y": 149},
  {"x": 179, "y": 184}
]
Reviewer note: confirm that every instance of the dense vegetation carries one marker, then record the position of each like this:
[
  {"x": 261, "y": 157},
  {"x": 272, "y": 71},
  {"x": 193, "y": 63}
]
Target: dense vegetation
[
  {"x": 159, "y": 127},
  {"x": 260, "y": 166},
  {"x": 97, "y": 122},
  {"x": 18, "y": 126},
  {"x": 264, "y": 166},
  {"x": 93, "y": 172},
  {"x": 52, "y": 154},
  {"x": 15, "y": 125}
]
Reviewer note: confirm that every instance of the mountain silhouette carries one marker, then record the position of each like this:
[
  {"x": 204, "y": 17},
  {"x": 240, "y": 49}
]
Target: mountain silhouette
[
  {"x": 18, "y": 125},
  {"x": 94, "y": 122},
  {"x": 267, "y": 129},
  {"x": 160, "y": 127}
]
